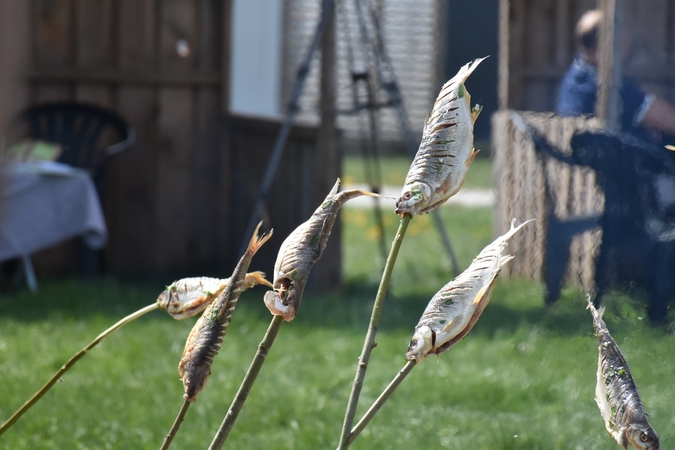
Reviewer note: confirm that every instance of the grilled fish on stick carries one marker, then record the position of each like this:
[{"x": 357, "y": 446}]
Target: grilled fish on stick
[
  {"x": 301, "y": 250},
  {"x": 616, "y": 394},
  {"x": 207, "y": 335},
  {"x": 446, "y": 150},
  {"x": 455, "y": 309},
  {"x": 188, "y": 297}
]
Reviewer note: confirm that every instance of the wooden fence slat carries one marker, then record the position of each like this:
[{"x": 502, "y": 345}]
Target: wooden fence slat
[{"x": 174, "y": 206}]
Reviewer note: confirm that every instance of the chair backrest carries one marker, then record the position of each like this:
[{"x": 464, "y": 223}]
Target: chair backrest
[{"x": 78, "y": 128}]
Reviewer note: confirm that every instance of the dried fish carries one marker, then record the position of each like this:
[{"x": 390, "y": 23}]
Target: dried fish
[
  {"x": 207, "y": 335},
  {"x": 455, "y": 309},
  {"x": 616, "y": 394},
  {"x": 301, "y": 250},
  {"x": 446, "y": 150},
  {"x": 188, "y": 297}
]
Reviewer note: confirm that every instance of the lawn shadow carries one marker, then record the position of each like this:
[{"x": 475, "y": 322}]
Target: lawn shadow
[{"x": 515, "y": 305}]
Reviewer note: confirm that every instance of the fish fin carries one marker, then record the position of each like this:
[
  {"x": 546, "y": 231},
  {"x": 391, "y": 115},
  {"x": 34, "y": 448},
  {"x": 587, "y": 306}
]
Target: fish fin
[
  {"x": 256, "y": 242},
  {"x": 480, "y": 295},
  {"x": 475, "y": 112},
  {"x": 255, "y": 278},
  {"x": 601, "y": 311},
  {"x": 670, "y": 147},
  {"x": 472, "y": 156},
  {"x": 335, "y": 189},
  {"x": 504, "y": 260},
  {"x": 447, "y": 326}
]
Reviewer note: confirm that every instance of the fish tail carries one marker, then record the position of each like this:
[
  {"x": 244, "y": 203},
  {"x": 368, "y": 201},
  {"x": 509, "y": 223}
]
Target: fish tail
[
  {"x": 467, "y": 69},
  {"x": 597, "y": 313},
  {"x": 256, "y": 242},
  {"x": 514, "y": 229}
]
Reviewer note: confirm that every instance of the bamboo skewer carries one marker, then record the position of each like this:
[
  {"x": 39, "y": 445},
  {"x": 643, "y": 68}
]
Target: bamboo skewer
[
  {"x": 247, "y": 383},
  {"x": 384, "y": 396},
  {"x": 31, "y": 401},
  {"x": 369, "y": 342},
  {"x": 176, "y": 425}
]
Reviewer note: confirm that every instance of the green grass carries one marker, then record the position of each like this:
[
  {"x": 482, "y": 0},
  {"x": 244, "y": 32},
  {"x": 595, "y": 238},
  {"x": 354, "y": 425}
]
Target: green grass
[
  {"x": 523, "y": 379},
  {"x": 395, "y": 168}
]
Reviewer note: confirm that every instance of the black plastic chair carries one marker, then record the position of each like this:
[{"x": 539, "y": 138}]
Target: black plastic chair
[{"x": 78, "y": 128}]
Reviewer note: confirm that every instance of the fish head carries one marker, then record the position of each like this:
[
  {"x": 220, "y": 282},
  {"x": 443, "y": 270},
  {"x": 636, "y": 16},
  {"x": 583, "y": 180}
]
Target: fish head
[
  {"x": 277, "y": 303},
  {"x": 414, "y": 198},
  {"x": 421, "y": 344},
  {"x": 642, "y": 437},
  {"x": 168, "y": 298}
]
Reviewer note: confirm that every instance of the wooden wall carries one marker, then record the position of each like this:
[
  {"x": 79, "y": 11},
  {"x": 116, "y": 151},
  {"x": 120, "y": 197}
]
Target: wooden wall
[
  {"x": 540, "y": 36},
  {"x": 177, "y": 201}
]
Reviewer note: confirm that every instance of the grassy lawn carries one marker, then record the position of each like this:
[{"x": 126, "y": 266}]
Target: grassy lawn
[
  {"x": 523, "y": 379},
  {"x": 395, "y": 168}
]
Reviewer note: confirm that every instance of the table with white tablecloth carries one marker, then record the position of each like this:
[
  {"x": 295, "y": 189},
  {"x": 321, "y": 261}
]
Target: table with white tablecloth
[{"x": 42, "y": 204}]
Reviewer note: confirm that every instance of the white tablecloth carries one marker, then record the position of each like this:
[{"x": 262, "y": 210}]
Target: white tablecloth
[{"x": 41, "y": 206}]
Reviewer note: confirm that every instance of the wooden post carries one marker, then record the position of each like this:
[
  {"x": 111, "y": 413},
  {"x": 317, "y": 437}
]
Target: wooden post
[
  {"x": 503, "y": 81},
  {"x": 327, "y": 160},
  {"x": 226, "y": 56},
  {"x": 608, "y": 106}
]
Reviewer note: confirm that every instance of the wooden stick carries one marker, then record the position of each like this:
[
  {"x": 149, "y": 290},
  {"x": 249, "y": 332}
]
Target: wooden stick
[
  {"x": 31, "y": 401},
  {"x": 247, "y": 383},
  {"x": 176, "y": 425},
  {"x": 369, "y": 342},
  {"x": 384, "y": 396}
]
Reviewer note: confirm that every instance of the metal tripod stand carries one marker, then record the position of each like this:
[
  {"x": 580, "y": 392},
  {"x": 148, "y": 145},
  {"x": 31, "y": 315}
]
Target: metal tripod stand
[{"x": 378, "y": 67}]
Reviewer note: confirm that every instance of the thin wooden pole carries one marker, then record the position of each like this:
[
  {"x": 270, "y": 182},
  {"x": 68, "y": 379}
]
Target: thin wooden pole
[
  {"x": 176, "y": 425},
  {"x": 608, "y": 106},
  {"x": 384, "y": 396},
  {"x": 247, "y": 383},
  {"x": 43, "y": 390},
  {"x": 369, "y": 342}
]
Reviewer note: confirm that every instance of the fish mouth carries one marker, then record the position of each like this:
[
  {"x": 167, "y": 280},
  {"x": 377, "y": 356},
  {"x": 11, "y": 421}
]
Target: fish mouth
[{"x": 402, "y": 210}]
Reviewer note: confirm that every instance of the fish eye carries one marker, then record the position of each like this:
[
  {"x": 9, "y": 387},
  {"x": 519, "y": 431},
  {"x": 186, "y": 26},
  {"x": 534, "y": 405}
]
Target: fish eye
[
  {"x": 644, "y": 437},
  {"x": 407, "y": 195},
  {"x": 413, "y": 342}
]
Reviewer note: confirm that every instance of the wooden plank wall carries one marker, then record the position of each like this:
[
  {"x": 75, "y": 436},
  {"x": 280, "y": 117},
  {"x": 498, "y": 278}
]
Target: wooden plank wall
[
  {"x": 541, "y": 47},
  {"x": 179, "y": 199}
]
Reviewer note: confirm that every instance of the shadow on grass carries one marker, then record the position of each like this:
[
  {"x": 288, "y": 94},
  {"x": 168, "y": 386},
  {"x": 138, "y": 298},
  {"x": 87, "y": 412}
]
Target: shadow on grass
[{"x": 515, "y": 304}]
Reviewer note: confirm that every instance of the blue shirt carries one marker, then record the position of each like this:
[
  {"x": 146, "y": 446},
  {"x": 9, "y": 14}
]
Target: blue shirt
[{"x": 578, "y": 94}]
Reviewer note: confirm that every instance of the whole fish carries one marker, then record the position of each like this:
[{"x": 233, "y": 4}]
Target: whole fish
[
  {"x": 616, "y": 394},
  {"x": 207, "y": 335},
  {"x": 446, "y": 150},
  {"x": 455, "y": 309},
  {"x": 301, "y": 250},
  {"x": 188, "y": 297}
]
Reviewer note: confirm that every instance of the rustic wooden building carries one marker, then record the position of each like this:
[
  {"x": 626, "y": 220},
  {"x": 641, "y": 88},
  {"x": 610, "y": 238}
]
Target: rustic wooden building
[
  {"x": 180, "y": 198},
  {"x": 536, "y": 49}
]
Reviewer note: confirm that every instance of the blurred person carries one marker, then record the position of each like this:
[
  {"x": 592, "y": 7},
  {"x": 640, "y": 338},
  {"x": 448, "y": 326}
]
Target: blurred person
[{"x": 643, "y": 114}]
